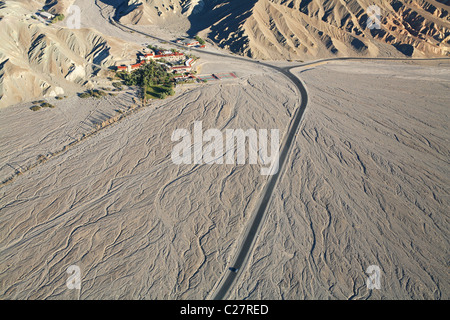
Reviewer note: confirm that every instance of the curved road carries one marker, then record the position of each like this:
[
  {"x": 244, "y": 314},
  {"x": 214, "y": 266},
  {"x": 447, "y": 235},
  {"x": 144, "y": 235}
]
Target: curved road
[{"x": 252, "y": 230}]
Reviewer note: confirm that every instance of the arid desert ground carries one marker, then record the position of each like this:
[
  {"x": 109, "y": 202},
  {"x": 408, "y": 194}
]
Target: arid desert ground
[
  {"x": 366, "y": 181},
  {"x": 367, "y": 184}
]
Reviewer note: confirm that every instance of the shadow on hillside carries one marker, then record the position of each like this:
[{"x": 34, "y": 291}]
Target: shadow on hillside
[
  {"x": 120, "y": 6},
  {"x": 223, "y": 18},
  {"x": 114, "y": 3},
  {"x": 234, "y": 13}
]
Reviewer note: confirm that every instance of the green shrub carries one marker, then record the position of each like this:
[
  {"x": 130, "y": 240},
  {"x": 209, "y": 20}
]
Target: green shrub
[
  {"x": 117, "y": 85},
  {"x": 58, "y": 17},
  {"x": 98, "y": 93},
  {"x": 84, "y": 95},
  {"x": 154, "y": 48},
  {"x": 200, "y": 40},
  {"x": 92, "y": 93},
  {"x": 36, "y": 108},
  {"x": 47, "y": 105}
]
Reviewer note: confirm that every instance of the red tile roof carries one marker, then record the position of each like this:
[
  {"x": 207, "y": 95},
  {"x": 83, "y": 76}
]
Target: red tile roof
[{"x": 137, "y": 65}]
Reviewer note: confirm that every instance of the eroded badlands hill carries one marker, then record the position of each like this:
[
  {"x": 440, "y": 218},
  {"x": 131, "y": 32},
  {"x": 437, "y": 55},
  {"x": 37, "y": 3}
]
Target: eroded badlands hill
[
  {"x": 304, "y": 29},
  {"x": 37, "y": 59}
]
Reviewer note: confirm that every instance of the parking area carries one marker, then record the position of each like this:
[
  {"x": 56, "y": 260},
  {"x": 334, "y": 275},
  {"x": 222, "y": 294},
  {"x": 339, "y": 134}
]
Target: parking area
[
  {"x": 207, "y": 78},
  {"x": 218, "y": 76},
  {"x": 223, "y": 76}
]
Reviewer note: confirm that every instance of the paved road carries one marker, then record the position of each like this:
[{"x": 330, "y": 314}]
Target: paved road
[
  {"x": 258, "y": 216},
  {"x": 252, "y": 231}
]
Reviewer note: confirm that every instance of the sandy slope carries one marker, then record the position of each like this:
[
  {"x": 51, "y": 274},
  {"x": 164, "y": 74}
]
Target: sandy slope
[
  {"x": 38, "y": 60},
  {"x": 57, "y": 6},
  {"x": 138, "y": 225},
  {"x": 367, "y": 185}
]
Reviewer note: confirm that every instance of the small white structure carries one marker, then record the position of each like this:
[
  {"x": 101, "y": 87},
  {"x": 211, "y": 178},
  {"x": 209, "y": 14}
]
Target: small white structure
[
  {"x": 190, "y": 42},
  {"x": 46, "y": 15},
  {"x": 189, "y": 62}
]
